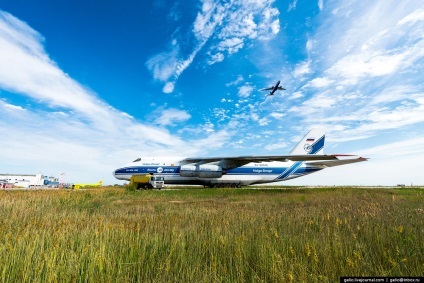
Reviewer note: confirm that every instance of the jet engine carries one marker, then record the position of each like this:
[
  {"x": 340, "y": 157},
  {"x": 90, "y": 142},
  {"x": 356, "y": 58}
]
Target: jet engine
[
  {"x": 189, "y": 171},
  {"x": 201, "y": 171}
]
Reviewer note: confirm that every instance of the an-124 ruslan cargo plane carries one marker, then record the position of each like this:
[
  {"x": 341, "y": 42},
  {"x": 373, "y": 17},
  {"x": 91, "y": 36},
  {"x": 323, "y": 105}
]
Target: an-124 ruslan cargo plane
[{"x": 306, "y": 157}]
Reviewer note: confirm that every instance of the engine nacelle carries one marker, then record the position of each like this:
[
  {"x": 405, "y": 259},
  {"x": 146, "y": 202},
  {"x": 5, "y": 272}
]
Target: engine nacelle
[
  {"x": 201, "y": 171},
  {"x": 189, "y": 171},
  {"x": 210, "y": 171}
]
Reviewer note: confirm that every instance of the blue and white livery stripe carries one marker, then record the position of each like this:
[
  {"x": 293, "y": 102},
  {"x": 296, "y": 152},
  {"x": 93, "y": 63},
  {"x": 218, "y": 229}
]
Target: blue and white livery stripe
[
  {"x": 314, "y": 148},
  {"x": 290, "y": 170}
]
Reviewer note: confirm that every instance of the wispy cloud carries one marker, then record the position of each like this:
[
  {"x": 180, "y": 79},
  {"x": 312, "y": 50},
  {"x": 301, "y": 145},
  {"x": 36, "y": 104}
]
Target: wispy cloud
[
  {"x": 220, "y": 29},
  {"x": 236, "y": 81},
  {"x": 302, "y": 69},
  {"x": 292, "y": 6},
  {"x": 321, "y": 4},
  {"x": 77, "y": 132},
  {"x": 26, "y": 69},
  {"x": 362, "y": 75},
  {"x": 245, "y": 90},
  {"x": 171, "y": 117}
]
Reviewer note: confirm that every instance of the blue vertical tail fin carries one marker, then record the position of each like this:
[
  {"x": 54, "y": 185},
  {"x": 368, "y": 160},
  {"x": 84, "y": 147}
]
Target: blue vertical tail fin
[{"x": 312, "y": 143}]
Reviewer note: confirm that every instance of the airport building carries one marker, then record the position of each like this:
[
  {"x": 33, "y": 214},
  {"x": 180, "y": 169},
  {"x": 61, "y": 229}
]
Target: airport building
[{"x": 27, "y": 181}]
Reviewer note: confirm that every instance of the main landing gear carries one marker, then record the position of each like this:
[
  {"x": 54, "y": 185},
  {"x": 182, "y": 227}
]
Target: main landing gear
[{"x": 224, "y": 185}]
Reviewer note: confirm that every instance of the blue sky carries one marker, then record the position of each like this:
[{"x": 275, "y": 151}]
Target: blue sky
[{"x": 87, "y": 86}]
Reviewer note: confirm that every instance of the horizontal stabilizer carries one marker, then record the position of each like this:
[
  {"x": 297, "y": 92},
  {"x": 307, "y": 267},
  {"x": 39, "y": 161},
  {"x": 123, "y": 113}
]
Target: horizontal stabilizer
[{"x": 332, "y": 163}]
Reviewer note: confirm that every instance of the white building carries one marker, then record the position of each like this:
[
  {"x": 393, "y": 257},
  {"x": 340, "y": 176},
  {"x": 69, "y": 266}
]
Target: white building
[{"x": 27, "y": 180}]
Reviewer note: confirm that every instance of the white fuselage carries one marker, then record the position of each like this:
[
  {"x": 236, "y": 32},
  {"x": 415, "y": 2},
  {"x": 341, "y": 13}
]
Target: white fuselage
[{"x": 251, "y": 173}]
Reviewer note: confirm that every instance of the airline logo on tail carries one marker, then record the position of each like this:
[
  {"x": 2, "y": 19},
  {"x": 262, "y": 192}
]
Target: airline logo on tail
[{"x": 308, "y": 148}]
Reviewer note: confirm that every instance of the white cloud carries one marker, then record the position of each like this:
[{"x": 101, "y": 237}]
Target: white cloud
[
  {"x": 77, "y": 133},
  {"x": 276, "y": 146},
  {"x": 216, "y": 58},
  {"x": 412, "y": 18},
  {"x": 11, "y": 107},
  {"x": 231, "y": 45},
  {"x": 366, "y": 61},
  {"x": 302, "y": 69},
  {"x": 172, "y": 116},
  {"x": 208, "y": 127},
  {"x": 316, "y": 105},
  {"x": 295, "y": 95},
  {"x": 215, "y": 140},
  {"x": 355, "y": 67},
  {"x": 206, "y": 20},
  {"x": 320, "y": 82},
  {"x": 27, "y": 70},
  {"x": 245, "y": 90},
  {"x": 168, "y": 66},
  {"x": 236, "y": 81},
  {"x": 264, "y": 121},
  {"x": 168, "y": 87},
  {"x": 277, "y": 115},
  {"x": 397, "y": 93},
  {"x": 220, "y": 114},
  {"x": 321, "y": 4},
  {"x": 224, "y": 28},
  {"x": 163, "y": 65},
  {"x": 309, "y": 45},
  {"x": 292, "y": 6},
  {"x": 374, "y": 25},
  {"x": 383, "y": 119},
  {"x": 410, "y": 147}
]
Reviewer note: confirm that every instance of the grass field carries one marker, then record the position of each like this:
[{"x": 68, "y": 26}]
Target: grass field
[{"x": 210, "y": 235}]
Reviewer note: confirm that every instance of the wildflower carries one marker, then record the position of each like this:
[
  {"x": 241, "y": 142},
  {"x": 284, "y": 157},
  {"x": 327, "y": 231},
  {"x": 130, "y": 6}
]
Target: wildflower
[
  {"x": 356, "y": 255},
  {"x": 275, "y": 233},
  {"x": 349, "y": 263},
  {"x": 222, "y": 240},
  {"x": 307, "y": 250},
  {"x": 289, "y": 277},
  {"x": 316, "y": 260},
  {"x": 392, "y": 262},
  {"x": 291, "y": 251}
]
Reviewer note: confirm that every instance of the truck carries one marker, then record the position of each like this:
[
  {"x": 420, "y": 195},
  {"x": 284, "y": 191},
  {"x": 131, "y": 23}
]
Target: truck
[{"x": 147, "y": 181}]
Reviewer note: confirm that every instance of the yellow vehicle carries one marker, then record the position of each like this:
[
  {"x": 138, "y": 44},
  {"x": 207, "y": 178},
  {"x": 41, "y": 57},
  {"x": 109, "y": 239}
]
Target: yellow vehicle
[
  {"x": 78, "y": 186},
  {"x": 147, "y": 181}
]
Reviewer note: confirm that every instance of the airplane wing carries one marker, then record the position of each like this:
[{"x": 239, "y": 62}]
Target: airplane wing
[
  {"x": 281, "y": 88},
  {"x": 269, "y": 88},
  {"x": 333, "y": 163},
  {"x": 233, "y": 162}
]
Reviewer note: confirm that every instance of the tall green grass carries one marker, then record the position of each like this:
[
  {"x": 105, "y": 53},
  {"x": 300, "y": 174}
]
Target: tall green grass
[{"x": 212, "y": 235}]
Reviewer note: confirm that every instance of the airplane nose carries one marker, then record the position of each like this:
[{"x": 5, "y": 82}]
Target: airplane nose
[{"x": 118, "y": 174}]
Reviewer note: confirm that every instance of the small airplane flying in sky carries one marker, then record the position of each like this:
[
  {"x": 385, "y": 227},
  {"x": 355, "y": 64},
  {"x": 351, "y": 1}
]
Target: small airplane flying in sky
[
  {"x": 306, "y": 157},
  {"x": 273, "y": 89}
]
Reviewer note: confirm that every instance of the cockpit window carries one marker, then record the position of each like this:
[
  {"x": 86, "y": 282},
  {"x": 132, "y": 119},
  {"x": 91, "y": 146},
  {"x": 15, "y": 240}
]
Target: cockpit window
[{"x": 137, "y": 160}]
